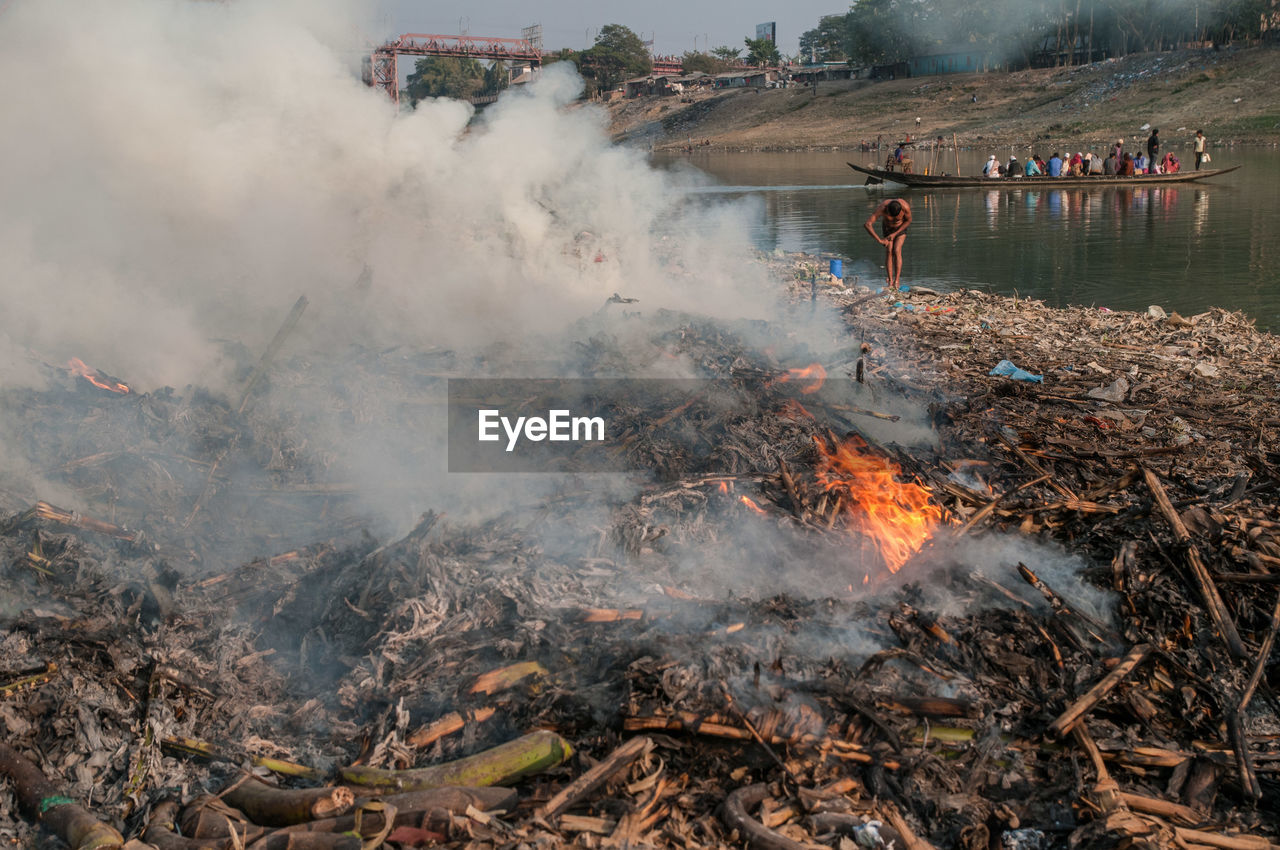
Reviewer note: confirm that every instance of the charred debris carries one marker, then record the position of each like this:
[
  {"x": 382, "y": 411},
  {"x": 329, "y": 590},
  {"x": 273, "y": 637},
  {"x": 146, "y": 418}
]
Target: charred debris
[{"x": 853, "y": 630}]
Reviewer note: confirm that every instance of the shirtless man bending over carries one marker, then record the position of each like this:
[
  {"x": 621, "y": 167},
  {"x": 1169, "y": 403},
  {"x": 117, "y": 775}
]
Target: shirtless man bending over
[{"x": 895, "y": 218}]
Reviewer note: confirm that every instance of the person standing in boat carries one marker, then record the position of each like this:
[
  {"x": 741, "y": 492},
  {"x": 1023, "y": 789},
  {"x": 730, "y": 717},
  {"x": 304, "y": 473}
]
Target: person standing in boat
[
  {"x": 1153, "y": 148},
  {"x": 1200, "y": 140},
  {"x": 895, "y": 217}
]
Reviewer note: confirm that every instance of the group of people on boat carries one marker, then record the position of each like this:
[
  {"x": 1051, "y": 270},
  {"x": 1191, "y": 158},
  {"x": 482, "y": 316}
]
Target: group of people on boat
[{"x": 1117, "y": 163}]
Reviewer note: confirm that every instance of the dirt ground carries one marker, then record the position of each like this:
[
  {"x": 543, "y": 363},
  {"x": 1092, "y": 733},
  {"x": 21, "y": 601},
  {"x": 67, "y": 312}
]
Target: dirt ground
[{"x": 1233, "y": 94}]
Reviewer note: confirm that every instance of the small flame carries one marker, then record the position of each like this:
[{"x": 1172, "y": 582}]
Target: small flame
[
  {"x": 78, "y": 367},
  {"x": 896, "y": 515},
  {"x": 794, "y": 410},
  {"x": 724, "y": 487},
  {"x": 813, "y": 373},
  {"x": 746, "y": 501}
]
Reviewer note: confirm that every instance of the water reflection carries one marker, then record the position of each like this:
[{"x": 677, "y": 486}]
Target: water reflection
[{"x": 1186, "y": 247}]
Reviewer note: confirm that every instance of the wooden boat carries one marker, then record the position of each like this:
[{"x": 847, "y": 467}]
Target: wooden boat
[{"x": 943, "y": 181}]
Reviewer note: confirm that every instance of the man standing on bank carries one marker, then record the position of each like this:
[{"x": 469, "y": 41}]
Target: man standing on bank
[{"x": 895, "y": 218}]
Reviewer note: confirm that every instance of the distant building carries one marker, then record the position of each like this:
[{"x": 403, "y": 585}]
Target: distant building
[
  {"x": 768, "y": 32},
  {"x": 956, "y": 61},
  {"x": 756, "y": 78}
]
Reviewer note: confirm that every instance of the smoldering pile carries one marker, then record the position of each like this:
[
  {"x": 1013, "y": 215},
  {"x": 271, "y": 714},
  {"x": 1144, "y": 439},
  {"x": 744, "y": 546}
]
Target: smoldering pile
[{"x": 693, "y": 659}]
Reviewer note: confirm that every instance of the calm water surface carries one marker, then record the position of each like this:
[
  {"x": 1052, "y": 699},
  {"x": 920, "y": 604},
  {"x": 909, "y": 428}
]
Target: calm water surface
[{"x": 1186, "y": 247}]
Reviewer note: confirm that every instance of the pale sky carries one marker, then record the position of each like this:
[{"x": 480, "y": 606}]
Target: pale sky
[{"x": 672, "y": 24}]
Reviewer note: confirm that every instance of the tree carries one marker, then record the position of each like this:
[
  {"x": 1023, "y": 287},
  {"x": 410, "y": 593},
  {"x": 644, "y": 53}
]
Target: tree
[
  {"x": 496, "y": 78},
  {"x": 762, "y": 52},
  {"x": 617, "y": 55},
  {"x": 704, "y": 62},
  {"x": 824, "y": 43},
  {"x": 440, "y": 76},
  {"x": 726, "y": 53}
]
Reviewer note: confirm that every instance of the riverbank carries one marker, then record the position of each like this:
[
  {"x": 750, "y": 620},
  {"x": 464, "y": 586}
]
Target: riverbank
[{"x": 1233, "y": 94}]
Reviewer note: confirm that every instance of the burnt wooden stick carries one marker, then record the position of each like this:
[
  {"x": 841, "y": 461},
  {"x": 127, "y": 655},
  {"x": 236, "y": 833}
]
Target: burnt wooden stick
[
  {"x": 207, "y": 816},
  {"x": 932, "y": 706},
  {"x": 270, "y": 805},
  {"x": 1244, "y": 762},
  {"x": 1094, "y": 695},
  {"x": 286, "y": 328},
  {"x": 910, "y": 840},
  {"x": 1263, "y": 654},
  {"x": 790, "y": 484},
  {"x": 1226, "y": 842},
  {"x": 756, "y": 834},
  {"x": 447, "y": 725},
  {"x": 1106, "y": 791},
  {"x": 43, "y": 802},
  {"x": 307, "y": 841},
  {"x": 987, "y": 509},
  {"x": 619, "y": 759},
  {"x": 1208, "y": 590},
  {"x": 1235, "y": 719},
  {"x": 162, "y": 832},
  {"x": 786, "y": 771},
  {"x": 1185, "y": 815},
  {"x": 1098, "y": 631},
  {"x": 1249, "y": 578}
]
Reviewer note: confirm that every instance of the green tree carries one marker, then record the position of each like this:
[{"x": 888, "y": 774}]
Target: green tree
[
  {"x": 726, "y": 53},
  {"x": 762, "y": 52},
  {"x": 704, "y": 62},
  {"x": 496, "y": 78},
  {"x": 825, "y": 42},
  {"x": 618, "y": 54},
  {"x": 441, "y": 76}
]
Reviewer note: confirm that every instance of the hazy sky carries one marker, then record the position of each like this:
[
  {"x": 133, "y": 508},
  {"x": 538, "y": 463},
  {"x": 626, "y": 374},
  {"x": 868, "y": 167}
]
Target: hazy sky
[{"x": 672, "y": 24}]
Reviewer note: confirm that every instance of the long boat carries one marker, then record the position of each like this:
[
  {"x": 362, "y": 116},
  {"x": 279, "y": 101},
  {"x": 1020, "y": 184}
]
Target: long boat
[{"x": 945, "y": 181}]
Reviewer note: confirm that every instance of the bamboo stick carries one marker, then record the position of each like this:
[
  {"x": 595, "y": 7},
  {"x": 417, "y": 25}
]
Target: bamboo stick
[
  {"x": 1208, "y": 590},
  {"x": 1186, "y": 815},
  {"x": 447, "y": 725},
  {"x": 506, "y": 677},
  {"x": 270, "y": 805},
  {"x": 286, "y": 328},
  {"x": 533, "y": 753},
  {"x": 619, "y": 759},
  {"x": 162, "y": 832},
  {"x": 757, "y": 834},
  {"x": 1094, "y": 695},
  {"x": 204, "y": 749},
  {"x": 42, "y": 801}
]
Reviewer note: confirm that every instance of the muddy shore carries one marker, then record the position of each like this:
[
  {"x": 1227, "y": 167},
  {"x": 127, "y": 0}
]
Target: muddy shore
[{"x": 1233, "y": 94}]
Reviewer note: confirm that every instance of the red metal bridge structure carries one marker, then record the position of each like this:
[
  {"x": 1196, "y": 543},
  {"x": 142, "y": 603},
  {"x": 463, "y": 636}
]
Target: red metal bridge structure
[{"x": 382, "y": 69}]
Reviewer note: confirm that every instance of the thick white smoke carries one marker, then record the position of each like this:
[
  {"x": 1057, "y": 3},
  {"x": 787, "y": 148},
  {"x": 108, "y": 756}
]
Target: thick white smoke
[{"x": 178, "y": 172}]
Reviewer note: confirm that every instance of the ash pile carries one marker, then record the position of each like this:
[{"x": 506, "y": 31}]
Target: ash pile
[{"x": 813, "y": 622}]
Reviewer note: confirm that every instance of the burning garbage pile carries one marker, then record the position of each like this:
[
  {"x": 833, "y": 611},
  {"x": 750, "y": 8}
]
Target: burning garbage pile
[{"x": 810, "y": 643}]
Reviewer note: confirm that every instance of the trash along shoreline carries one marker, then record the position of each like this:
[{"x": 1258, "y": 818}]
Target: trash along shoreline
[{"x": 727, "y": 655}]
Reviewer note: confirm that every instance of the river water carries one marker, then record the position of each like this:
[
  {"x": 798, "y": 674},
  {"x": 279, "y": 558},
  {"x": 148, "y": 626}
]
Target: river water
[{"x": 1185, "y": 247}]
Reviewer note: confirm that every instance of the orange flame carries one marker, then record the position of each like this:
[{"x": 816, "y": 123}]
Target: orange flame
[
  {"x": 724, "y": 487},
  {"x": 814, "y": 373},
  {"x": 752, "y": 505},
  {"x": 78, "y": 367},
  {"x": 896, "y": 515}
]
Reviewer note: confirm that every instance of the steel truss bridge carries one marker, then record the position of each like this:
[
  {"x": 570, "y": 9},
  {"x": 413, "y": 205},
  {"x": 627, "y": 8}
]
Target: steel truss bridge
[{"x": 382, "y": 68}]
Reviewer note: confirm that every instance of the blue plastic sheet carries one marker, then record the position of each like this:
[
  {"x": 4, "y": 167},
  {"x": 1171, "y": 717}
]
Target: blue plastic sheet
[{"x": 1006, "y": 369}]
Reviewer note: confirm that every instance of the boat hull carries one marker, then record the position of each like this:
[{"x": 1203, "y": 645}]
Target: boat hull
[{"x": 942, "y": 181}]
